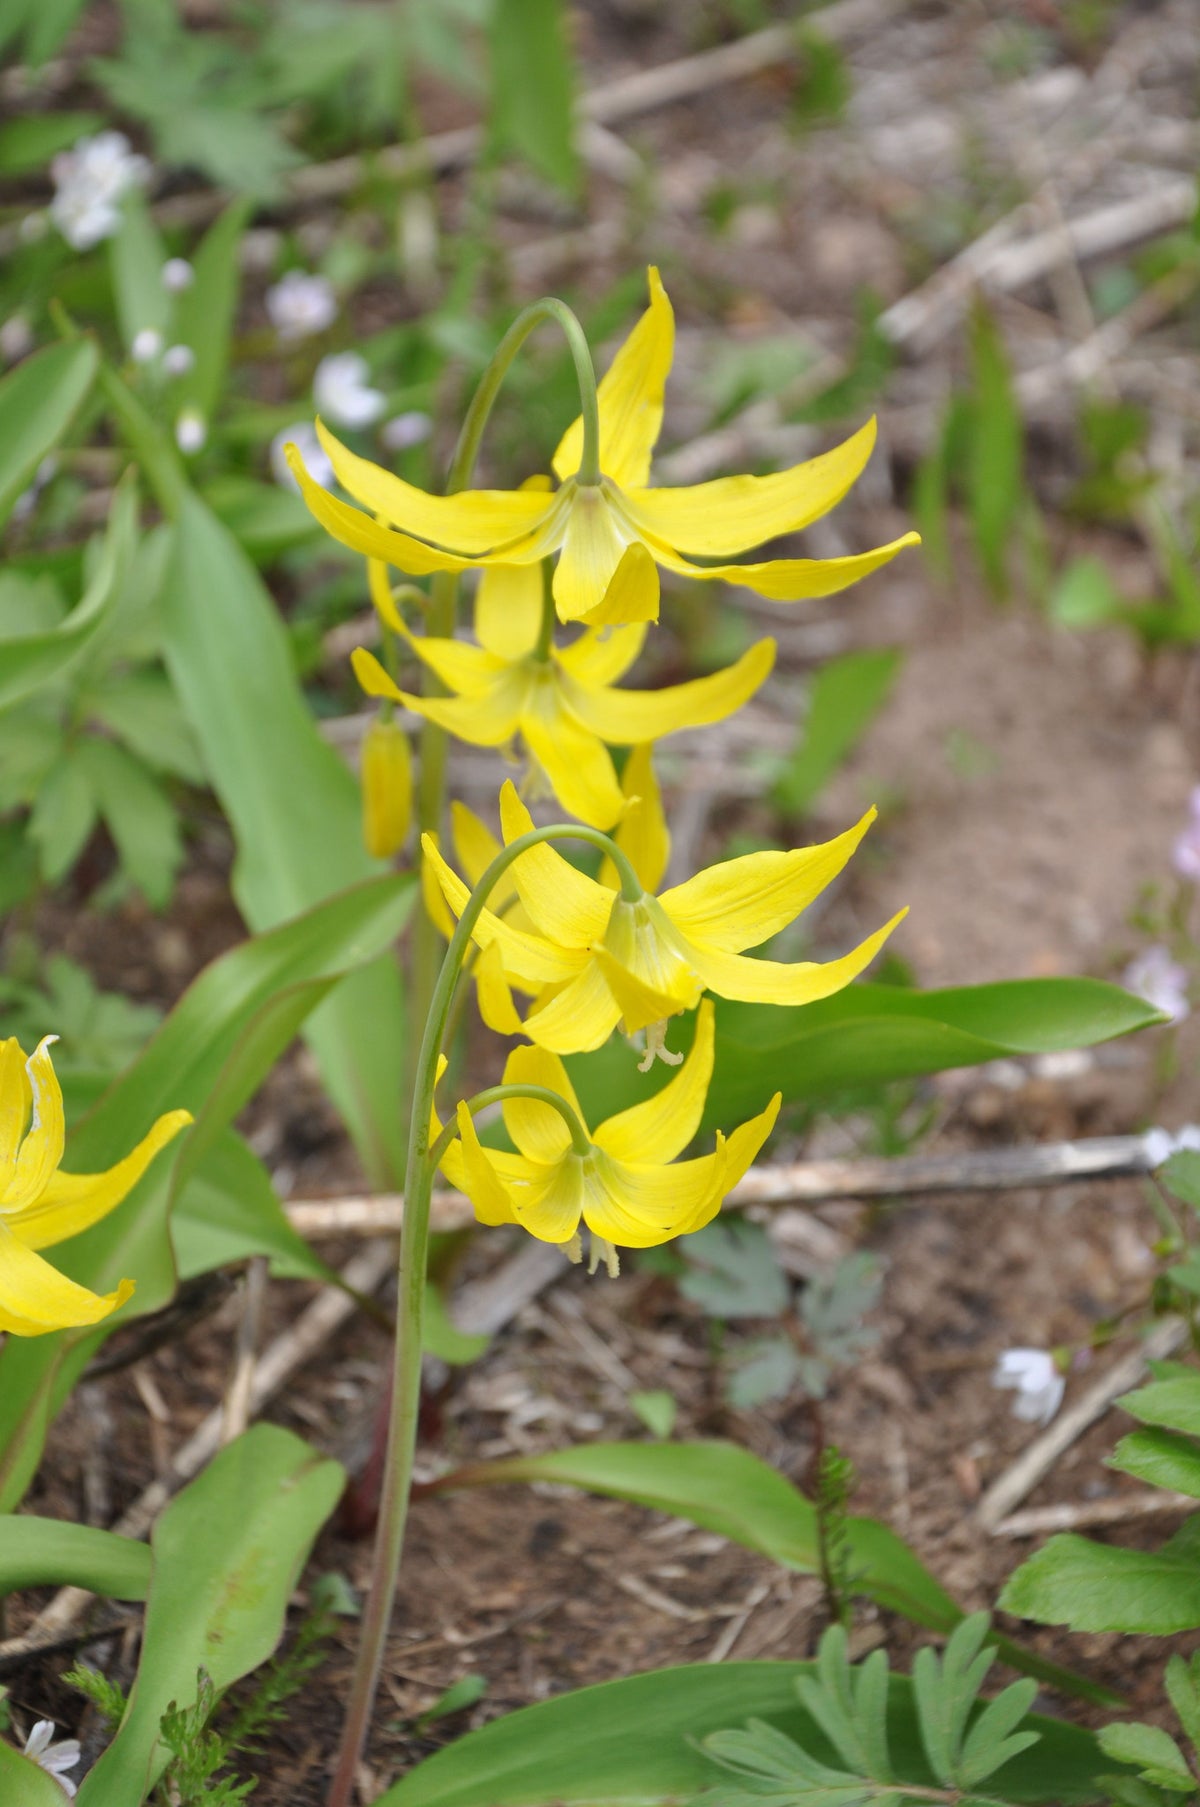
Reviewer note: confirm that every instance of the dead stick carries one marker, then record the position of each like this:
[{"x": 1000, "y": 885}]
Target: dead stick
[
  {"x": 1030, "y": 1466},
  {"x": 1075, "y": 1514},
  {"x": 798, "y": 1182}
]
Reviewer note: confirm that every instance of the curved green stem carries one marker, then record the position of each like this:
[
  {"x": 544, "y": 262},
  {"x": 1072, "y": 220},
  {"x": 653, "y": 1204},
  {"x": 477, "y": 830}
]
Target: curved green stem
[
  {"x": 581, "y": 1142},
  {"x": 414, "y": 1244}
]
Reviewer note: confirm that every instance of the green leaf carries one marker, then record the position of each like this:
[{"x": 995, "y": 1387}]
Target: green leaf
[
  {"x": 64, "y": 814},
  {"x": 229, "y": 1210},
  {"x": 38, "y": 402},
  {"x": 204, "y": 313},
  {"x": 1085, "y": 595},
  {"x": 533, "y": 87},
  {"x": 140, "y": 709},
  {"x": 181, "y": 1066},
  {"x": 1154, "y": 1753},
  {"x": 51, "y": 1552},
  {"x": 23, "y": 1783},
  {"x": 265, "y": 520},
  {"x": 733, "y": 1271},
  {"x": 1174, "y": 1403},
  {"x": 1182, "y": 1174},
  {"x": 136, "y": 256},
  {"x": 1160, "y": 1458},
  {"x": 846, "y": 696},
  {"x": 1183, "y": 1687},
  {"x": 657, "y": 1410},
  {"x": 30, "y": 140},
  {"x": 727, "y": 1490},
  {"x": 293, "y": 805},
  {"x": 1100, "y": 1587},
  {"x": 995, "y": 450},
  {"x": 138, "y": 815},
  {"x": 33, "y": 660},
  {"x": 227, "y": 1554},
  {"x": 636, "y": 1743},
  {"x": 442, "y": 1337}
]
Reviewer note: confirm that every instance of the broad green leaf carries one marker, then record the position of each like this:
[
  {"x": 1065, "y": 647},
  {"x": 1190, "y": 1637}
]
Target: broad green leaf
[
  {"x": 227, "y": 1554},
  {"x": 23, "y": 1783},
  {"x": 1101, "y": 1587},
  {"x": 204, "y": 313},
  {"x": 635, "y": 1743},
  {"x": 36, "y": 659},
  {"x": 136, "y": 256},
  {"x": 727, "y": 1490},
  {"x": 1161, "y": 1459},
  {"x": 38, "y": 401},
  {"x": 847, "y": 694},
  {"x": 229, "y": 1210},
  {"x": 533, "y": 87},
  {"x": 181, "y": 1066},
  {"x": 1174, "y": 1404},
  {"x": 28, "y": 141},
  {"x": 866, "y": 1035},
  {"x": 52, "y": 1552},
  {"x": 293, "y": 805},
  {"x": 264, "y": 519},
  {"x": 156, "y": 454}
]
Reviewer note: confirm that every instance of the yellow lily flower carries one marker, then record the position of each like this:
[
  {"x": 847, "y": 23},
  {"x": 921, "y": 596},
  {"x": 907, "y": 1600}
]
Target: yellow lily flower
[
  {"x": 386, "y": 776},
  {"x": 600, "y": 959},
  {"x": 561, "y": 700},
  {"x": 40, "y": 1206},
  {"x": 623, "y": 1180},
  {"x": 595, "y": 526}
]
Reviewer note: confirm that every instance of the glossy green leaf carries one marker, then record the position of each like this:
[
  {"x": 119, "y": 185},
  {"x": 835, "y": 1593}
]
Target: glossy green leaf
[
  {"x": 52, "y": 1552},
  {"x": 1161, "y": 1459},
  {"x": 293, "y": 805},
  {"x": 204, "y": 313},
  {"x": 847, "y": 695},
  {"x": 227, "y": 1554},
  {"x": 38, "y": 659},
  {"x": 866, "y": 1035},
  {"x": 23, "y": 1783},
  {"x": 1174, "y": 1403},
  {"x": 634, "y": 1743},
  {"x": 136, "y": 256},
  {"x": 181, "y": 1066},
  {"x": 533, "y": 87},
  {"x": 1103, "y": 1587},
  {"x": 727, "y": 1490},
  {"x": 38, "y": 401}
]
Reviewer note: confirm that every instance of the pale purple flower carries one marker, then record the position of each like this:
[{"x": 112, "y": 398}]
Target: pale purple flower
[
  {"x": 299, "y": 305},
  {"x": 89, "y": 181},
  {"x": 1161, "y": 981},
  {"x": 316, "y": 459},
  {"x": 177, "y": 275},
  {"x": 1185, "y": 855},
  {"x": 1034, "y": 1377},
  {"x": 342, "y": 393},
  {"x": 55, "y": 1759},
  {"x": 178, "y": 360},
  {"x": 405, "y": 430},
  {"x": 1159, "y": 1145},
  {"x": 146, "y": 345}
]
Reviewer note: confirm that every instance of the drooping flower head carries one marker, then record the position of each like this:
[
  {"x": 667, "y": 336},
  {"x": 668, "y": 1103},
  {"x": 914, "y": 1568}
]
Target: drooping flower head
[
  {"x": 624, "y": 1179},
  {"x": 595, "y": 520},
  {"x": 600, "y": 957},
  {"x": 41, "y": 1206},
  {"x": 561, "y": 701}
]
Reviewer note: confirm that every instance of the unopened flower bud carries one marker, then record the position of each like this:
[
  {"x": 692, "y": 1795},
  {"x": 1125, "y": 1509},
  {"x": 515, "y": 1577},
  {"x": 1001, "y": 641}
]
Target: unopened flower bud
[
  {"x": 190, "y": 431},
  {"x": 146, "y": 345},
  {"x": 386, "y": 788}
]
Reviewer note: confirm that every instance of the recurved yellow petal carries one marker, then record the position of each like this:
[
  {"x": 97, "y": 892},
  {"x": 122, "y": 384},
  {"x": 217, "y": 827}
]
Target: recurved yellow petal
[
  {"x": 661, "y": 1127},
  {"x": 508, "y": 610},
  {"x": 469, "y": 670},
  {"x": 549, "y": 1207},
  {"x": 351, "y": 527},
  {"x": 730, "y": 514},
  {"x": 474, "y": 521},
  {"x": 528, "y": 957},
  {"x": 381, "y": 595},
  {"x": 564, "y": 904},
  {"x": 386, "y": 788},
  {"x": 624, "y": 717},
  {"x": 576, "y": 1018},
  {"x": 775, "y": 982},
  {"x": 496, "y": 1005},
  {"x": 35, "y": 1298},
  {"x": 743, "y": 902},
  {"x": 602, "y": 655},
  {"x": 795, "y": 579},
  {"x": 431, "y": 895},
  {"x": 538, "y": 1130},
  {"x": 42, "y": 1150},
  {"x": 490, "y": 1198},
  {"x": 577, "y": 763},
  {"x": 475, "y": 848},
  {"x": 632, "y": 593},
  {"x": 642, "y": 834},
  {"x": 630, "y": 397},
  {"x": 72, "y": 1202},
  {"x": 16, "y": 1097},
  {"x": 641, "y": 1206}
]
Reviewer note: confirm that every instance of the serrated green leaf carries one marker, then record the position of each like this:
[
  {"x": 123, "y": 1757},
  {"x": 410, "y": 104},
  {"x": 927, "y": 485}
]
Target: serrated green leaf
[
  {"x": 1161, "y": 1458},
  {"x": 1154, "y": 1753},
  {"x": 1174, "y": 1404},
  {"x": 1100, "y": 1587},
  {"x": 1182, "y": 1680},
  {"x": 733, "y": 1271}
]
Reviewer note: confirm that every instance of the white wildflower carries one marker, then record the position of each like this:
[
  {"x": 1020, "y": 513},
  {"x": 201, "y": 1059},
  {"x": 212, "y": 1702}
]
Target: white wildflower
[
  {"x": 55, "y": 1759},
  {"x": 405, "y": 430},
  {"x": 342, "y": 393},
  {"x": 190, "y": 431},
  {"x": 178, "y": 360},
  {"x": 299, "y": 305},
  {"x": 177, "y": 275},
  {"x": 1033, "y": 1376},
  {"x": 316, "y": 460},
  {"x": 89, "y": 181},
  {"x": 1158, "y": 1145},
  {"x": 1185, "y": 855},
  {"x": 1161, "y": 981},
  {"x": 146, "y": 345}
]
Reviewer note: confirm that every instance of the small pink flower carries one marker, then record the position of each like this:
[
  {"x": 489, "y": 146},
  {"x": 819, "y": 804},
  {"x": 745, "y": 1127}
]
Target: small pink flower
[{"x": 1185, "y": 855}]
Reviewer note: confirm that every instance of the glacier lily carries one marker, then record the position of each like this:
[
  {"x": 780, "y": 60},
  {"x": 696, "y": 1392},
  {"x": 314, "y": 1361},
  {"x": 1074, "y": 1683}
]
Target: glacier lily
[
  {"x": 623, "y": 1180},
  {"x": 40, "y": 1205},
  {"x": 561, "y": 700},
  {"x": 604, "y": 509},
  {"x": 600, "y": 957}
]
